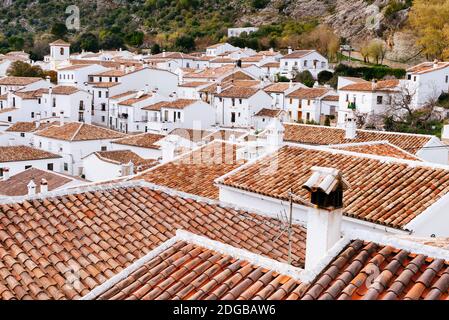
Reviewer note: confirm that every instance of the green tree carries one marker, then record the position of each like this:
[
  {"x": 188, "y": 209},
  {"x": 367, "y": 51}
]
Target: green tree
[
  {"x": 23, "y": 69},
  {"x": 306, "y": 78},
  {"x": 185, "y": 43},
  {"x": 59, "y": 30},
  {"x": 16, "y": 43},
  {"x": 89, "y": 42},
  {"x": 135, "y": 38},
  {"x": 155, "y": 48},
  {"x": 324, "y": 76}
]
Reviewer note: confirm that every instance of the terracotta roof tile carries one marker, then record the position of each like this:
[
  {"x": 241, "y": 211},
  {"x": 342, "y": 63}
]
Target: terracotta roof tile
[
  {"x": 24, "y": 153},
  {"x": 196, "y": 172},
  {"x": 384, "y": 149},
  {"x": 29, "y": 126},
  {"x": 381, "y": 192},
  {"x": 321, "y": 135},
  {"x": 298, "y": 54},
  {"x": 385, "y": 85},
  {"x": 19, "y": 81},
  {"x": 77, "y": 131},
  {"x": 144, "y": 140},
  {"x": 309, "y": 93},
  {"x": 124, "y": 157},
  {"x": 115, "y": 227},
  {"x": 399, "y": 275},
  {"x": 187, "y": 271},
  {"x": 136, "y": 99},
  {"x": 238, "y": 92},
  {"x": 270, "y": 113},
  {"x": 176, "y": 104}
]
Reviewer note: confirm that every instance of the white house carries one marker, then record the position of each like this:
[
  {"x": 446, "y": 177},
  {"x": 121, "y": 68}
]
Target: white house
[
  {"x": 11, "y": 83},
  {"x": 302, "y": 60},
  {"x": 171, "y": 61},
  {"x": 279, "y": 90},
  {"x": 368, "y": 97},
  {"x": 266, "y": 115},
  {"x": 219, "y": 49},
  {"x": 191, "y": 90},
  {"x": 165, "y": 116},
  {"x": 128, "y": 115},
  {"x": 17, "y": 158},
  {"x": 22, "y": 131},
  {"x": 235, "y": 106},
  {"x": 428, "y": 81},
  {"x": 78, "y": 74},
  {"x": 109, "y": 165},
  {"x": 311, "y": 104},
  {"x": 59, "y": 54},
  {"x": 73, "y": 141}
]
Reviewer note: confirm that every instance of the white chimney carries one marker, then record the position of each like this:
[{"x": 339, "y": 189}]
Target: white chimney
[
  {"x": 164, "y": 53},
  {"x": 350, "y": 126},
  {"x": 168, "y": 148},
  {"x": 128, "y": 169},
  {"x": 147, "y": 88},
  {"x": 326, "y": 186},
  {"x": 48, "y": 79},
  {"x": 290, "y": 84},
  {"x": 61, "y": 118},
  {"x": 435, "y": 63},
  {"x": 289, "y": 50},
  {"x": 219, "y": 89},
  {"x": 275, "y": 135},
  {"x": 44, "y": 186},
  {"x": 5, "y": 174},
  {"x": 31, "y": 188}
]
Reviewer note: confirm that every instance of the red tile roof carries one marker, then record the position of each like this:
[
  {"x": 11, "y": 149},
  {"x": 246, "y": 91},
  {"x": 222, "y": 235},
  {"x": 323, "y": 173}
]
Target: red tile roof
[
  {"x": 124, "y": 157},
  {"x": 29, "y": 126},
  {"x": 309, "y": 93},
  {"x": 77, "y": 131},
  {"x": 24, "y": 153},
  {"x": 176, "y": 104},
  {"x": 238, "y": 92},
  {"x": 196, "y": 172},
  {"x": 385, "y": 85},
  {"x": 144, "y": 140},
  {"x": 18, "y": 81},
  {"x": 297, "y": 54},
  {"x": 269, "y": 113},
  {"x": 390, "y": 193},
  {"x": 379, "y": 148},
  {"x": 321, "y": 135},
  {"x": 188, "y": 271},
  {"x": 368, "y": 271},
  {"x": 99, "y": 232}
]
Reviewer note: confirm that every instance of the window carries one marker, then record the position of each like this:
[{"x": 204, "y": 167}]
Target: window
[
  {"x": 291, "y": 100},
  {"x": 61, "y": 51},
  {"x": 9, "y": 119},
  {"x": 233, "y": 102},
  {"x": 32, "y": 114},
  {"x": 305, "y": 63},
  {"x": 66, "y": 166},
  {"x": 28, "y": 167},
  {"x": 1, "y": 172},
  {"x": 308, "y": 102},
  {"x": 107, "y": 94},
  {"x": 240, "y": 101},
  {"x": 22, "y": 134},
  {"x": 39, "y": 100},
  {"x": 232, "y": 117},
  {"x": 104, "y": 148},
  {"x": 50, "y": 166},
  {"x": 323, "y": 65},
  {"x": 54, "y": 102},
  {"x": 116, "y": 79},
  {"x": 99, "y": 94},
  {"x": 103, "y": 119},
  {"x": 379, "y": 99},
  {"x": 409, "y": 77},
  {"x": 103, "y": 107},
  {"x": 414, "y": 78},
  {"x": 81, "y": 105},
  {"x": 447, "y": 79},
  {"x": 14, "y": 102}
]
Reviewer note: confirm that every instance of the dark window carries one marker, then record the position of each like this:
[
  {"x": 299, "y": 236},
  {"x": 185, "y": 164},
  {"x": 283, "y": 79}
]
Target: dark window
[
  {"x": 50, "y": 166},
  {"x": 22, "y": 134},
  {"x": 9, "y": 119},
  {"x": 103, "y": 107},
  {"x": 99, "y": 94},
  {"x": 1, "y": 172},
  {"x": 232, "y": 117},
  {"x": 32, "y": 114},
  {"x": 66, "y": 166},
  {"x": 103, "y": 119},
  {"x": 103, "y": 148},
  {"x": 409, "y": 77},
  {"x": 447, "y": 79},
  {"x": 28, "y": 167},
  {"x": 379, "y": 99},
  {"x": 61, "y": 51}
]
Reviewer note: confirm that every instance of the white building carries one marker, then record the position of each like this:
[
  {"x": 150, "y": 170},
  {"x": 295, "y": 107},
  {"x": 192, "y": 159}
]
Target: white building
[
  {"x": 73, "y": 141},
  {"x": 236, "y": 106},
  {"x": 59, "y": 54},
  {"x": 236, "y": 32},
  {"x": 21, "y": 83},
  {"x": 109, "y": 165},
  {"x": 312, "y": 104},
  {"x": 367, "y": 97},
  {"x": 145, "y": 145},
  {"x": 428, "y": 81},
  {"x": 279, "y": 90},
  {"x": 78, "y": 74},
  {"x": 166, "y": 116},
  {"x": 219, "y": 49},
  {"x": 171, "y": 61},
  {"x": 301, "y": 60},
  {"x": 17, "y": 158}
]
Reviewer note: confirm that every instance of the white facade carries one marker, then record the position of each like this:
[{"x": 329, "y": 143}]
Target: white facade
[
  {"x": 236, "y": 32},
  {"x": 310, "y": 60},
  {"x": 78, "y": 75},
  {"x": 219, "y": 49},
  {"x": 16, "y": 167},
  {"x": 75, "y": 107}
]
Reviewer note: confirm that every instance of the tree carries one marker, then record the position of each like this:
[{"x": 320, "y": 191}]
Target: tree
[
  {"x": 89, "y": 42},
  {"x": 59, "y": 30},
  {"x": 306, "y": 78},
  {"x": 324, "y": 40},
  {"x": 430, "y": 21},
  {"x": 325, "y": 76},
  {"x": 16, "y": 43},
  {"x": 23, "y": 69},
  {"x": 185, "y": 43},
  {"x": 377, "y": 50},
  {"x": 155, "y": 48},
  {"x": 112, "y": 41},
  {"x": 134, "y": 38}
]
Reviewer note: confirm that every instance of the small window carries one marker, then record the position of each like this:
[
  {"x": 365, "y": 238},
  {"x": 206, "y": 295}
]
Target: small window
[
  {"x": 66, "y": 166},
  {"x": 447, "y": 79},
  {"x": 9, "y": 119},
  {"x": 104, "y": 148},
  {"x": 61, "y": 51},
  {"x": 409, "y": 77},
  {"x": 32, "y": 114},
  {"x": 103, "y": 119},
  {"x": 240, "y": 101},
  {"x": 22, "y": 134},
  {"x": 28, "y": 167},
  {"x": 50, "y": 166},
  {"x": 379, "y": 99},
  {"x": 99, "y": 94}
]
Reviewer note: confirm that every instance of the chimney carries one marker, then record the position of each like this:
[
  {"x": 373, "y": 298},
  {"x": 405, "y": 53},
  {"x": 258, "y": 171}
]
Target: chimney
[
  {"x": 289, "y": 50},
  {"x": 373, "y": 84},
  {"x": 128, "y": 169},
  {"x": 326, "y": 186},
  {"x": 275, "y": 135},
  {"x": 61, "y": 118},
  {"x": 44, "y": 186},
  {"x": 219, "y": 89},
  {"x": 164, "y": 53},
  {"x": 6, "y": 174},
  {"x": 31, "y": 188},
  {"x": 350, "y": 126},
  {"x": 435, "y": 63},
  {"x": 271, "y": 50},
  {"x": 11, "y": 142},
  {"x": 316, "y": 84},
  {"x": 290, "y": 84},
  {"x": 147, "y": 89},
  {"x": 168, "y": 148}
]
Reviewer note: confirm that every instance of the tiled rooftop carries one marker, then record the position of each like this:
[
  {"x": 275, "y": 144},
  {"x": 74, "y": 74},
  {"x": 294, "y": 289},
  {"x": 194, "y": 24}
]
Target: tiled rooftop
[
  {"x": 24, "y": 126},
  {"x": 24, "y": 153},
  {"x": 382, "y": 148},
  {"x": 144, "y": 140},
  {"x": 269, "y": 113},
  {"x": 390, "y": 193},
  {"x": 124, "y": 157},
  {"x": 18, "y": 81},
  {"x": 196, "y": 172},
  {"x": 77, "y": 131},
  {"x": 309, "y": 93},
  {"x": 368, "y": 271},
  {"x": 385, "y": 85},
  {"x": 188, "y": 271},
  {"x": 238, "y": 92},
  {"x": 97, "y": 233},
  {"x": 321, "y": 135}
]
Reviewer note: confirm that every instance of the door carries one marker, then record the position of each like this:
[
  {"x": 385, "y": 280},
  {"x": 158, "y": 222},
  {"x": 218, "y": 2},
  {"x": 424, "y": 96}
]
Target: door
[
  {"x": 299, "y": 115},
  {"x": 232, "y": 117}
]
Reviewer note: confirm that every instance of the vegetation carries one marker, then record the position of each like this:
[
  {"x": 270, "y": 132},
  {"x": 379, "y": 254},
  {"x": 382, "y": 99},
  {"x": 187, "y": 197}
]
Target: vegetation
[
  {"x": 23, "y": 69},
  {"x": 369, "y": 72},
  {"x": 374, "y": 50},
  {"x": 306, "y": 78},
  {"x": 430, "y": 20}
]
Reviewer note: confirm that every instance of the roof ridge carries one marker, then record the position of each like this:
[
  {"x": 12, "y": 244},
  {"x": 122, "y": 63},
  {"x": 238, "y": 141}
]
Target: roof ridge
[{"x": 77, "y": 131}]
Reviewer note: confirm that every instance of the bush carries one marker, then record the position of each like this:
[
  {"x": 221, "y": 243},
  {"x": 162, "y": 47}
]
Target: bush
[
  {"x": 369, "y": 73},
  {"x": 324, "y": 76},
  {"x": 305, "y": 78}
]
